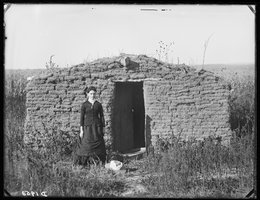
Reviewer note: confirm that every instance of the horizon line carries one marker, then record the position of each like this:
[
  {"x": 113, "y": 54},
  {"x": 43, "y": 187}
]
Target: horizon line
[{"x": 42, "y": 68}]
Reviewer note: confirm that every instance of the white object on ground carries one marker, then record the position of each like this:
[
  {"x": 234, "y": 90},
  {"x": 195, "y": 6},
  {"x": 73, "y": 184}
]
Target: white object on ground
[
  {"x": 114, "y": 165},
  {"x": 30, "y": 78}
]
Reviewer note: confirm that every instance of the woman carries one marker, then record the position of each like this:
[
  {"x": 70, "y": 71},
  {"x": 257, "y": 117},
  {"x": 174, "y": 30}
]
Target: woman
[{"x": 92, "y": 144}]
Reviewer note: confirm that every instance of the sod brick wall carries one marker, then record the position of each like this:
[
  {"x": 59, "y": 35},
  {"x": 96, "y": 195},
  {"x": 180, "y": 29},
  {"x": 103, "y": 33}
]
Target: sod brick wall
[{"x": 178, "y": 99}]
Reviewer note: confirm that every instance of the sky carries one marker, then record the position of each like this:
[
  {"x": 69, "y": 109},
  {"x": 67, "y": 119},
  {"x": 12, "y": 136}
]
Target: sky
[{"x": 77, "y": 33}]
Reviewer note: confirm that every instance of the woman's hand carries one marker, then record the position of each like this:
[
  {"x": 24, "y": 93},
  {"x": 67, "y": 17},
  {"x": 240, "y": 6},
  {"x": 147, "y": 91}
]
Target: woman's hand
[{"x": 81, "y": 132}]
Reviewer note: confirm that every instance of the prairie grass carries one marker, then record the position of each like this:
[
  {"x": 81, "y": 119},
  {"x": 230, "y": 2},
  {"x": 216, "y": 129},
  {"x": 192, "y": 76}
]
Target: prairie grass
[
  {"x": 200, "y": 169},
  {"x": 179, "y": 169}
]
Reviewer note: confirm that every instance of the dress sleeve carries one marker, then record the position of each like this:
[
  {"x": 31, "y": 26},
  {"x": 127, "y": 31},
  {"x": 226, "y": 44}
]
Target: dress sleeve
[
  {"x": 82, "y": 113},
  {"x": 102, "y": 116}
]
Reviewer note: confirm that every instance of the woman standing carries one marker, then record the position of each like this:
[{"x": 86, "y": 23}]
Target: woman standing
[{"x": 92, "y": 144}]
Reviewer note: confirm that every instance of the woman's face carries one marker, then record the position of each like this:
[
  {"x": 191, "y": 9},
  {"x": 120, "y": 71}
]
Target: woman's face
[{"x": 92, "y": 95}]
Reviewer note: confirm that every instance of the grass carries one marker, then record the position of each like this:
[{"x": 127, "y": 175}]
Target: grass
[
  {"x": 205, "y": 169},
  {"x": 178, "y": 169},
  {"x": 63, "y": 179}
]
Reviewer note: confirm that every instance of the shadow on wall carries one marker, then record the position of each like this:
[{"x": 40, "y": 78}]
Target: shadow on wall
[{"x": 148, "y": 120}]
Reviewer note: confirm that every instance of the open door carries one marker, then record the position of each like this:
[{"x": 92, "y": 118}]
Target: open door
[{"x": 129, "y": 116}]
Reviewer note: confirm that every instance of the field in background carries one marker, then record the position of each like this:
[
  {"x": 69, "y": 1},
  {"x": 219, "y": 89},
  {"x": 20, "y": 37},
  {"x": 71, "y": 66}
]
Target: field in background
[
  {"x": 205, "y": 169},
  {"x": 229, "y": 70},
  {"x": 225, "y": 70},
  {"x": 21, "y": 73}
]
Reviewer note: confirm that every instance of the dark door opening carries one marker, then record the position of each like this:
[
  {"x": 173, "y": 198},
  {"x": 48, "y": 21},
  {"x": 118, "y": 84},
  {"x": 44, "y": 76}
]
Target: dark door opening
[{"x": 129, "y": 116}]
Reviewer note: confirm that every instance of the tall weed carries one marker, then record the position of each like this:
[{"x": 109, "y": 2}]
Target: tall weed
[
  {"x": 242, "y": 105},
  {"x": 203, "y": 169}
]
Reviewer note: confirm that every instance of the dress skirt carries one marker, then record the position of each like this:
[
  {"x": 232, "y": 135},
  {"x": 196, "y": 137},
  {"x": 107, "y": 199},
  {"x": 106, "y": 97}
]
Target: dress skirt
[{"x": 91, "y": 146}]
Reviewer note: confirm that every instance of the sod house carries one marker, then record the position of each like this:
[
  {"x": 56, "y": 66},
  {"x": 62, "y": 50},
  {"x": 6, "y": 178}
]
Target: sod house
[{"x": 142, "y": 98}]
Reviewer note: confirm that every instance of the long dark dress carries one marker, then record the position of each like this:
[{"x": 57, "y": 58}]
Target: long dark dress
[{"x": 92, "y": 144}]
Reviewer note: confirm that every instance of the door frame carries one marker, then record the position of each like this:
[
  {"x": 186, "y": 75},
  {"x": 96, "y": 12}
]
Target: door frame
[{"x": 116, "y": 141}]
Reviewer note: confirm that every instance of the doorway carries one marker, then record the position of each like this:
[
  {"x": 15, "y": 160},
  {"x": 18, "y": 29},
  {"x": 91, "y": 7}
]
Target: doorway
[{"x": 129, "y": 116}]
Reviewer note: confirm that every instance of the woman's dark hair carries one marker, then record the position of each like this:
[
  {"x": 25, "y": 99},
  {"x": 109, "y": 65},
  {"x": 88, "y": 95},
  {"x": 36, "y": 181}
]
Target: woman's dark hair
[{"x": 88, "y": 89}]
